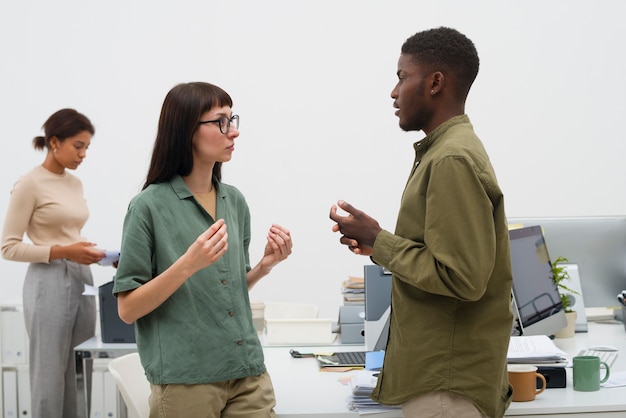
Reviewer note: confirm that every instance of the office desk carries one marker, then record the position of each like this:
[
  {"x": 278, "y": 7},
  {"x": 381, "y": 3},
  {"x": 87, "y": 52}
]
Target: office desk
[
  {"x": 607, "y": 402},
  {"x": 84, "y": 354},
  {"x": 302, "y": 391}
]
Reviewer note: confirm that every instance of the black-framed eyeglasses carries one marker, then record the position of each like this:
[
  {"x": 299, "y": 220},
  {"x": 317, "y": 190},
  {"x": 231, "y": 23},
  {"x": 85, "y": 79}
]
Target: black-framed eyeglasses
[{"x": 224, "y": 123}]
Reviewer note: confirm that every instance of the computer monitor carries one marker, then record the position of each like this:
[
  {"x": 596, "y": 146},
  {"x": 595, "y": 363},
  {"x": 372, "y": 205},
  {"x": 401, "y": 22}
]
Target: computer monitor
[
  {"x": 597, "y": 244},
  {"x": 536, "y": 299},
  {"x": 377, "y": 282}
]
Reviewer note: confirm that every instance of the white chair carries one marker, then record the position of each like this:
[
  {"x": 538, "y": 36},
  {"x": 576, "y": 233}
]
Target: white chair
[{"x": 131, "y": 381}]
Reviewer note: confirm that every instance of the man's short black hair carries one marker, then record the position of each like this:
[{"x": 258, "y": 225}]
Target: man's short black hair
[{"x": 446, "y": 50}]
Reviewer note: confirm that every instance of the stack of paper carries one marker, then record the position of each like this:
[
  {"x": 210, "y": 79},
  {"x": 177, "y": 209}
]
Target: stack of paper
[
  {"x": 362, "y": 385},
  {"x": 599, "y": 314},
  {"x": 535, "y": 349},
  {"x": 353, "y": 290}
]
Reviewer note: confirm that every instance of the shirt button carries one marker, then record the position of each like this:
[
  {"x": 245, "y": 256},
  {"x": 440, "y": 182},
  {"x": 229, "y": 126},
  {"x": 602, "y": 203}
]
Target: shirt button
[
  {"x": 224, "y": 282},
  {"x": 240, "y": 343},
  {"x": 231, "y": 313}
]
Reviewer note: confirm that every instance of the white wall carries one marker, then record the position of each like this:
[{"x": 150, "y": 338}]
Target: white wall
[{"x": 311, "y": 81}]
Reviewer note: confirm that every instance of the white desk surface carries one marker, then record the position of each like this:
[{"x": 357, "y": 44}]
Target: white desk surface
[
  {"x": 95, "y": 344},
  {"x": 302, "y": 391}
]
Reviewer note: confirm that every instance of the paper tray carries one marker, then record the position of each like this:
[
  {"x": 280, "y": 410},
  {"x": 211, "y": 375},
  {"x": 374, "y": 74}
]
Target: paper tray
[{"x": 304, "y": 331}]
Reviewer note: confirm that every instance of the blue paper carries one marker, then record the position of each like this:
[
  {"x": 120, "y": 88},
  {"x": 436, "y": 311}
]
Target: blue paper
[{"x": 374, "y": 360}]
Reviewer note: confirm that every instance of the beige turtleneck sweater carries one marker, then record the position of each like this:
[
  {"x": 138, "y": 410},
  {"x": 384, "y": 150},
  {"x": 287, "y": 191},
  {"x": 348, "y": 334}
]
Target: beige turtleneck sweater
[{"x": 49, "y": 208}]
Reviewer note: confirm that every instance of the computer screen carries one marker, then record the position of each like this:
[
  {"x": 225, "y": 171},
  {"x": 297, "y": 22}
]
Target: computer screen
[
  {"x": 377, "y": 282},
  {"x": 597, "y": 244},
  {"x": 536, "y": 299}
]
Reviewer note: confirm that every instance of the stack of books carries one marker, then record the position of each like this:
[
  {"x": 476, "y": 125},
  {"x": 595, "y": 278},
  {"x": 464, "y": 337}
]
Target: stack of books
[
  {"x": 353, "y": 291},
  {"x": 362, "y": 385}
]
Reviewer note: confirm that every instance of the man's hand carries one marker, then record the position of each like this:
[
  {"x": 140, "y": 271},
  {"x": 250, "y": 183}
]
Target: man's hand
[{"x": 358, "y": 230}]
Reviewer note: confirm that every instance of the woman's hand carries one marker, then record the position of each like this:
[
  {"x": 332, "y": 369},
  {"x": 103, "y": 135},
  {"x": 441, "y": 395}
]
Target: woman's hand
[
  {"x": 80, "y": 252},
  {"x": 278, "y": 247},
  {"x": 209, "y": 247}
]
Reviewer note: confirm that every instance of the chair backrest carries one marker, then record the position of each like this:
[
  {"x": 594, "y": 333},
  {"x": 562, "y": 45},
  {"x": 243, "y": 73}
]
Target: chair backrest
[{"x": 131, "y": 381}]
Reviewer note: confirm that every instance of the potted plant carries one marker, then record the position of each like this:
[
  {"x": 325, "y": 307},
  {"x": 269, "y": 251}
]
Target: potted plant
[{"x": 561, "y": 278}]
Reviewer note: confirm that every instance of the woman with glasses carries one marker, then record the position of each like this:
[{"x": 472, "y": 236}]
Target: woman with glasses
[
  {"x": 47, "y": 204},
  {"x": 184, "y": 272}
]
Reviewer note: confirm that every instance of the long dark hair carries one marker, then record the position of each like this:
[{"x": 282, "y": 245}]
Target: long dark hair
[
  {"x": 180, "y": 114},
  {"x": 62, "y": 124}
]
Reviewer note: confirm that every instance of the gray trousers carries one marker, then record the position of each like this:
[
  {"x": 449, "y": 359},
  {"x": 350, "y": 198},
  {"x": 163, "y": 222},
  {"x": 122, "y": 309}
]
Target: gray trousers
[{"x": 58, "y": 318}]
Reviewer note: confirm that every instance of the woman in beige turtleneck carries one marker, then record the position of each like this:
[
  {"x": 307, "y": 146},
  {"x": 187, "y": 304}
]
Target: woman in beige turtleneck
[{"x": 47, "y": 205}]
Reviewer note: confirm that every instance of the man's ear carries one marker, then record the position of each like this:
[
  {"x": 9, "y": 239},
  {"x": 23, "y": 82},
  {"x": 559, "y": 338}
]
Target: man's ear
[{"x": 437, "y": 80}]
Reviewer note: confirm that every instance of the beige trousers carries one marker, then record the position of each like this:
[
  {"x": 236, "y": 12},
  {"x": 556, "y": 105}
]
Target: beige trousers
[
  {"x": 242, "y": 398},
  {"x": 440, "y": 405}
]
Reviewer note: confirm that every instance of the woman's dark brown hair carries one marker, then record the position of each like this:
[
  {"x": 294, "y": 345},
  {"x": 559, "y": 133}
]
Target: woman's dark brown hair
[
  {"x": 180, "y": 114},
  {"x": 63, "y": 124}
]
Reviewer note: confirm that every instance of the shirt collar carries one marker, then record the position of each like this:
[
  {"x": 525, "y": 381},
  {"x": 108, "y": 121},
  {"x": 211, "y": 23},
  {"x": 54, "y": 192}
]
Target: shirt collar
[
  {"x": 181, "y": 189},
  {"x": 422, "y": 145}
]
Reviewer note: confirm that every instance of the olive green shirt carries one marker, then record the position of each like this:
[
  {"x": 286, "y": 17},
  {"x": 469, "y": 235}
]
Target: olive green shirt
[
  {"x": 203, "y": 332},
  {"x": 451, "y": 314}
]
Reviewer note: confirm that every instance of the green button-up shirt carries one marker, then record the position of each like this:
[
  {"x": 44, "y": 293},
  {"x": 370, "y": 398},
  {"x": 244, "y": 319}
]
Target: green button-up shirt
[
  {"x": 203, "y": 332},
  {"x": 451, "y": 289}
]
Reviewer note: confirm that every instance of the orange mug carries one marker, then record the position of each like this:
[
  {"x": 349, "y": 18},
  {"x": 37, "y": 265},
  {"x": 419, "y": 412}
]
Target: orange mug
[{"x": 523, "y": 378}]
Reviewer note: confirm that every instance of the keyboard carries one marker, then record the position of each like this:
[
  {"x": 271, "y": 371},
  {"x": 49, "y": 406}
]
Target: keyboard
[
  {"x": 606, "y": 356},
  {"x": 342, "y": 359},
  {"x": 351, "y": 357}
]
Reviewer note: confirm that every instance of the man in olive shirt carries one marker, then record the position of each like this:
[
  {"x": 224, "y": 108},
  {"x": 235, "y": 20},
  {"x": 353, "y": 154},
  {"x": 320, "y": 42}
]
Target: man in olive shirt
[{"x": 451, "y": 315}]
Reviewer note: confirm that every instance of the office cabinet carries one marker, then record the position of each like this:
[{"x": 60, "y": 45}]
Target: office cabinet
[
  {"x": 15, "y": 381},
  {"x": 14, "y": 385},
  {"x": 23, "y": 392},
  {"x": 15, "y": 393},
  {"x": 103, "y": 391},
  {"x": 13, "y": 336},
  {"x": 9, "y": 394}
]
